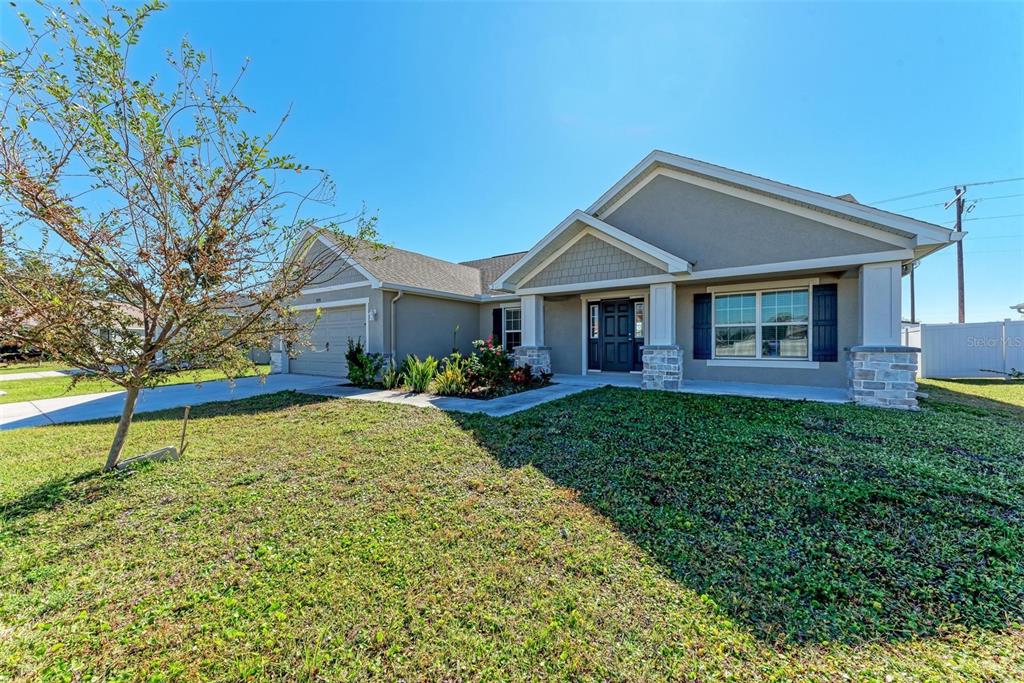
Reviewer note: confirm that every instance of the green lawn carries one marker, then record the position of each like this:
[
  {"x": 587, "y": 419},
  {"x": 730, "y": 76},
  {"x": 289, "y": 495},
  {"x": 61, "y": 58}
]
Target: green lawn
[
  {"x": 53, "y": 387},
  {"x": 12, "y": 368},
  {"x": 996, "y": 394},
  {"x": 613, "y": 535}
]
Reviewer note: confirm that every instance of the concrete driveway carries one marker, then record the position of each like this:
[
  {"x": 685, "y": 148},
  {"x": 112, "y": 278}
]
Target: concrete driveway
[{"x": 94, "y": 406}]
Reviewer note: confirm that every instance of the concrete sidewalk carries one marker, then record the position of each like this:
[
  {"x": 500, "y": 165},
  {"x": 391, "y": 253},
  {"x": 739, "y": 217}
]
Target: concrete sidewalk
[
  {"x": 567, "y": 385},
  {"x": 109, "y": 404},
  {"x": 39, "y": 374},
  {"x": 495, "y": 407}
]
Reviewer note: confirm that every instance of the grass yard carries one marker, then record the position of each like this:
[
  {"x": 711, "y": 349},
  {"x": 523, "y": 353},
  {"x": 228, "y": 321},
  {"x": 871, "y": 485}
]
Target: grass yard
[
  {"x": 612, "y": 535},
  {"x": 54, "y": 387},
  {"x": 989, "y": 394},
  {"x": 31, "y": 366}
]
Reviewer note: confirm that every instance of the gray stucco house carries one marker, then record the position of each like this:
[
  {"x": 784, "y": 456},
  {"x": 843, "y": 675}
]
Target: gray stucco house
[{"x": 680, "y": 270}]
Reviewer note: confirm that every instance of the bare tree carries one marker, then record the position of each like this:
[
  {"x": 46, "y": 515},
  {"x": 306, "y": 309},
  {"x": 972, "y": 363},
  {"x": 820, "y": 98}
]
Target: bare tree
[{"x": 130, "y": 200}]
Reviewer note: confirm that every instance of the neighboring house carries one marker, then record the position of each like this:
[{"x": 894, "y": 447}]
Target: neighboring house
[
  {"x": 682, "y": 269},
  {"x": 135, "y": 323},
  {"x": 132, "y": 317}
]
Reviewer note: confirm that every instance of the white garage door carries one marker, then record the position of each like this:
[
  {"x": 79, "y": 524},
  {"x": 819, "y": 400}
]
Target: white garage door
[{"x": 330, "y": 341}]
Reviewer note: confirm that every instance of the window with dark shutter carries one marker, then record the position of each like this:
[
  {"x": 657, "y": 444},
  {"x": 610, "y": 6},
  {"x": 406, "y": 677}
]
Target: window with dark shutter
[
  {"x": 825, "y": 321},
  {"x": 702, "y": 326},
  {"x": 496, "y": 320}
]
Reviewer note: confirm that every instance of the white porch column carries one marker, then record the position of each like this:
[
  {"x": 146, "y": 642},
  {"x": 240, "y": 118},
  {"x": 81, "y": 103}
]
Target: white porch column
[
  {"x": 533, "y": 352},
  {"x": 533, "y": 320},
  {"x": 662, "y": 357},
  {"x": 882, "y": 372},
  {"x": 880, "y": 300},
  {"x": 663, "y": 315}
]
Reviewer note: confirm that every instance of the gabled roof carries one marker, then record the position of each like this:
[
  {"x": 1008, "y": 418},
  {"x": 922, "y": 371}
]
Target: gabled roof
[
  {"x": 670, "y": 263},
  {"x": 492, "y": 268},
  {"x": 845, "y": 206},
  {"x": 393, "y": 266},
  {"x": 480, "y": 278}
]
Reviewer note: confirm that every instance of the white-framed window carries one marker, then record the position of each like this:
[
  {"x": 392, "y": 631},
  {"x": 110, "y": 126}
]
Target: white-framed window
[
  {"x": 512, "y": 330},
  {"x": 595, "y": 321},
  {"x": 763, "y": 324},
  {"x": 638, "y": 319}
]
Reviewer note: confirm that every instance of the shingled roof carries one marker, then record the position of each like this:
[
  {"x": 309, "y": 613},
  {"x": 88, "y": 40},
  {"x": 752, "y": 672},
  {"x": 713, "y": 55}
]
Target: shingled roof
[
  {"x": 491, "y": 268},
  {"x": 395, "y": 266}
]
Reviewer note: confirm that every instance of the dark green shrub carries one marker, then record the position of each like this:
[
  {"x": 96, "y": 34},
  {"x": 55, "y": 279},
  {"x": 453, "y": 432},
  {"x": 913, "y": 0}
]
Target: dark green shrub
[
  {"x": 392, "y": 377},
  {"x": 362, "y": 367}
]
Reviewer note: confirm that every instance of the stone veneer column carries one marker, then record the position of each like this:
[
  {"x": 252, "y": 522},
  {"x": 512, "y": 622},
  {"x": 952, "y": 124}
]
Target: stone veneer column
[
  {"x": 533, "y": 352},
  {"x": 884, "y": 376},
  {"x": 662, "y": 357},
  {"x": 537, "y": 357},
  {"x": 663, "y": 367}
]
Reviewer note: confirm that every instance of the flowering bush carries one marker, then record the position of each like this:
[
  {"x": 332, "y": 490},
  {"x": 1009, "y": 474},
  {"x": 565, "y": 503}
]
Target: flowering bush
[
  {"x": 489, "y": 366},
  {"x": 485, "y": 373},
  {"x": 521, "y": 376}
]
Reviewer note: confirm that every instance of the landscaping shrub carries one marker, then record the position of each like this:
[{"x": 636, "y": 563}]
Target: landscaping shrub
[
  {"x": 419, "y": 373},
  {"x": 451, "y": 378},
  {"x": 522, "y": 376},
  {"x": 483, "y": 374},
  {"x": 362, "y": 367},
  {"x": 489, "y": 365},
  {"x": 392, "y": 377}
]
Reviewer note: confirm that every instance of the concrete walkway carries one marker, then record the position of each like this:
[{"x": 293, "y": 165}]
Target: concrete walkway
[
  {"x": 109, "y": 404},
  {"x": 567, "y": 385},
  {"x": 40, "y": 374},
  {"x": 495, "y": 407}
]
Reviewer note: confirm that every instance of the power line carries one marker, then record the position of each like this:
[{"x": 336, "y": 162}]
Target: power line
[
  {"x": 943, "y": 189},
  {"x": 976, "y": 199},
  {"x": 986, "y": 218},
  {"x": 994, "y": 182},
  {"x": 1019, "y": 236},
  {"x": 910, "y": 196},
  {"x": 992, "y": 218},
  {"x": 1001, "y": 196}
]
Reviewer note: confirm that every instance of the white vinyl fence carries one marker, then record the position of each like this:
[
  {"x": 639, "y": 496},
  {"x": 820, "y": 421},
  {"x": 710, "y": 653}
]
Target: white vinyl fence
[{"x": 966, "y": 350}]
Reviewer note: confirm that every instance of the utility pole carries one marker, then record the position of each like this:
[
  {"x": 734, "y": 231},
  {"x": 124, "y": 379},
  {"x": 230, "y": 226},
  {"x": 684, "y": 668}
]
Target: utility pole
[{"x": 959, "y": 199}]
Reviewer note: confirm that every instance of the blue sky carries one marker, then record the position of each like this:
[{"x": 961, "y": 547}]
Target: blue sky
[{"x": 472, "y": 129}]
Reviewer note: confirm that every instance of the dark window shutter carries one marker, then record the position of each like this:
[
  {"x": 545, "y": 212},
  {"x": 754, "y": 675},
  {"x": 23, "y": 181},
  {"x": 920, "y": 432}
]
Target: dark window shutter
[
  {"x": 826, "y": 337},
  {"x": 496, "y": 322},
  {"x": 702, "y": 340}
]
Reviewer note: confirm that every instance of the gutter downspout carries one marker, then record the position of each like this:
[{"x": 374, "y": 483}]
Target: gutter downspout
[{"x": 393, "y": 348}]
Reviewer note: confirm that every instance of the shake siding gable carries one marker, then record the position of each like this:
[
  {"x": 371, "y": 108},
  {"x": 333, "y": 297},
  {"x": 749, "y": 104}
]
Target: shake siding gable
[{"x": 591, "y": 260}]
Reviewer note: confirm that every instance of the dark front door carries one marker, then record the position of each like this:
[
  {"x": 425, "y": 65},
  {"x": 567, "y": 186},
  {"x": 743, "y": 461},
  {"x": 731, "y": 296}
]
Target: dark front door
[{"x": 617, "y": 335}]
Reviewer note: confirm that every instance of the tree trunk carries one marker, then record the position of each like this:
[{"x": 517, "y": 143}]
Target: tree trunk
[{"x": 122, "y": 428}]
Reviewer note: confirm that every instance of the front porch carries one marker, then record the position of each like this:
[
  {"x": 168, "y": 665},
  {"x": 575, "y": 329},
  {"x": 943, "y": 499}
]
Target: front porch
[
  {"x": 791, "y": 392},
  {"x": 815, "y": 337}
]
